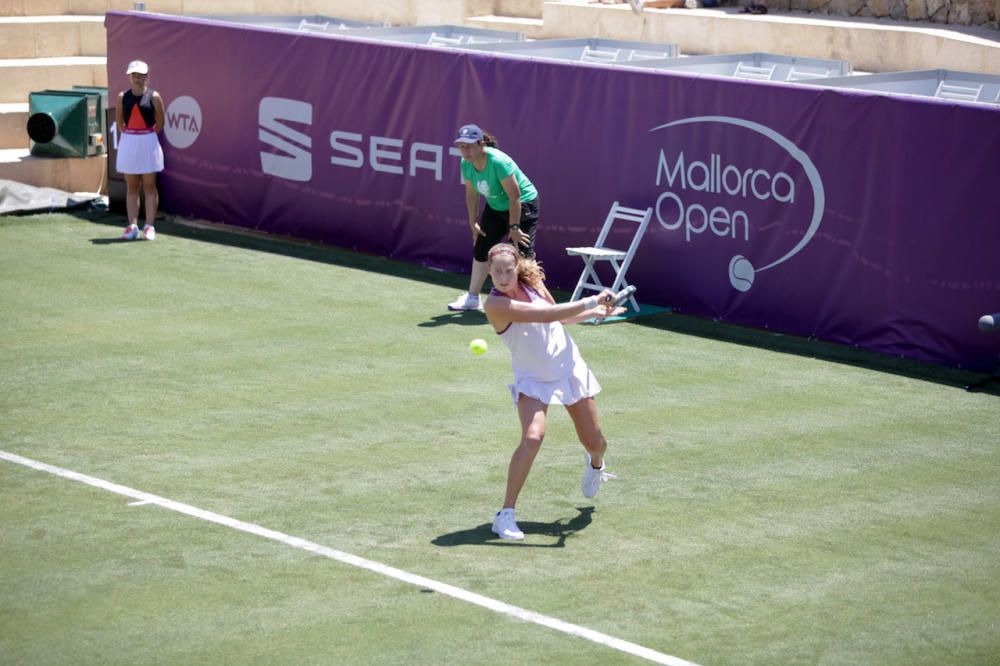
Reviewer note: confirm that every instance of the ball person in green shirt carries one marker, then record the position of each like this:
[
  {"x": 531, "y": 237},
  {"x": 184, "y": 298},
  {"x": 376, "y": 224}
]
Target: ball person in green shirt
[{"x": 511, "y": 206}]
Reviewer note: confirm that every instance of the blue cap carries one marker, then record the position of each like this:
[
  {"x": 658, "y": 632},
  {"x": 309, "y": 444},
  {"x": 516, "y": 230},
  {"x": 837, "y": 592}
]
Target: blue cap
[{"x": 469, "y": 134}]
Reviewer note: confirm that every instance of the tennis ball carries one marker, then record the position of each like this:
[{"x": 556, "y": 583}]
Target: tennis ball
[{"x": 478, "y": 346}]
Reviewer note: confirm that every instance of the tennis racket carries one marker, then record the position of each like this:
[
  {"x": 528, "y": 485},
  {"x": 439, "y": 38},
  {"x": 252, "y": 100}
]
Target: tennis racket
[{"x": 619, "y": 298}]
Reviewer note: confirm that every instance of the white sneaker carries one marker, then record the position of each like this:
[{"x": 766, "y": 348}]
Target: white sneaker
[
  {"x": 131, "y": 232},
  {"x": 149, "y": 232},
  {"x": 593, "y": 478},
  {"x": 466, "y": 301},
  {"x": 505, "y": 527},
  {"x": 636, "y": 6}
]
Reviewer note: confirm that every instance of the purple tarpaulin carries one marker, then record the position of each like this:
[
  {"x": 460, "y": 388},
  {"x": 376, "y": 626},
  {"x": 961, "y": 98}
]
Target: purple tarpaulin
[{"x": 846, "y": 216}]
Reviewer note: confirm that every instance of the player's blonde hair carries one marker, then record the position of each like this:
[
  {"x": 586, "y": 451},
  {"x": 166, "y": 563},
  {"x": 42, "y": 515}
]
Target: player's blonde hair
[{"x": 529, "y": 271}]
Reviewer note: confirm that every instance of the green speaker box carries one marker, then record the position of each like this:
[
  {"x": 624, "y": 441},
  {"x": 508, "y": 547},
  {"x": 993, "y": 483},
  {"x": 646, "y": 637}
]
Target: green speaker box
[{"x": 67, "y": 123}]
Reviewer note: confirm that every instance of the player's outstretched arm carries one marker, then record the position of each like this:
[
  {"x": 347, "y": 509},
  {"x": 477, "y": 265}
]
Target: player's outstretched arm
[
  {"x": 500, "y": 309},
  {"x": 609, "y": 307},
  {"x": 599, "y": 312}
]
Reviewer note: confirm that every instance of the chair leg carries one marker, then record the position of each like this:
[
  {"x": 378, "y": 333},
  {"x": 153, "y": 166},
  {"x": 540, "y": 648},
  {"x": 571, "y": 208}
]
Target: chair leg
[
  {"x": 588, "y": 268},
  {"x": 619, "y": 282}
]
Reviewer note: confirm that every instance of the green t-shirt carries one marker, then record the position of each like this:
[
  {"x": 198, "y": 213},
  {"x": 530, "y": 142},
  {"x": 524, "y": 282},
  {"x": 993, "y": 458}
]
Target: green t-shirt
[{"x": 499, "y": 165}]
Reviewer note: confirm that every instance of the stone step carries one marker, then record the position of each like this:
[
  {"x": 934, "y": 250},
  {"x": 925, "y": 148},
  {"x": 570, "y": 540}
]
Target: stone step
[
  {"x": 20, "y": 76},
  {"x": 533, "y": 28},
  {"x": 67, "y": 174},
  {"x": 35, "y": 7},
  {"x": 52, "y": 36},
  {"x": 13, "y": 124},
  {"x": 522, "y": 8},
  {"x": 55, "y": 7}
]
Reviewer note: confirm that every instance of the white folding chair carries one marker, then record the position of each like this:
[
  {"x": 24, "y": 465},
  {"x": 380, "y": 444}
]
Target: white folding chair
[
  {"x": 958, "y": 92},
  {"x": 440, "y": 40},
  {"x": 306, "y": 26},
  {"x": 806, "y": 75},
  {"x": 619, "y": 259},
  {"x": 599, "y": 55},
  {"x": 636, "y": 54},
  {"x": 745, "y": 71}
]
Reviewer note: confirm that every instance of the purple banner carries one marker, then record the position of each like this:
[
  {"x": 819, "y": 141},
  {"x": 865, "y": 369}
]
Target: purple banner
[{"x": 845, "y": 216}]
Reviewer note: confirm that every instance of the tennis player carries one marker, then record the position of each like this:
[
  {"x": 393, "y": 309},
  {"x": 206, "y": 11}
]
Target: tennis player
[
  {"x": 140, "y": 157},
  {"x": 548, "y": 369}
]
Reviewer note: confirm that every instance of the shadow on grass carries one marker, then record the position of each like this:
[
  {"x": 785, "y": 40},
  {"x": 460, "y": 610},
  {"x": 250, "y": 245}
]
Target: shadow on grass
[
  {"x": 461, "y": 318},
  {"x": 109, "y": 241},
  {"x": 292, "y": 247},
  {"x": 482, "y": 535},
  {"x": 826, "y": 351},
  {"x": 286, "y": 246},
  {"x": 669, "y": 321}
]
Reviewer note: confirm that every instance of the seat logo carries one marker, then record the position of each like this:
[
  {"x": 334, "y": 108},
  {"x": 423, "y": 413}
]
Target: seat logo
[{"x": 291, "y": 158}]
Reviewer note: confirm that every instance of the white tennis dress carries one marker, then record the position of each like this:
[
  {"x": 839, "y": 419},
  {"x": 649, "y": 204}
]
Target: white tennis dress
[
  {"x": 547, "y": 363},
  {"x": 139, "y": 149},
  {"x": 139, "y": 152}
]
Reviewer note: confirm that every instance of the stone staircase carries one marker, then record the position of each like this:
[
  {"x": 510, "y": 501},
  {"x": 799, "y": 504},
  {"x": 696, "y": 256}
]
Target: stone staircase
[{"x": 61, "y": 43}]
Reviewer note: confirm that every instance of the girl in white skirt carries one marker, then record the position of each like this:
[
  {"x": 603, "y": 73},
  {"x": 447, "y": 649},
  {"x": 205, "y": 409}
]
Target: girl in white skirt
[
  {"x": 140, "y": 157},
  {"x": 548, "y": 369}
]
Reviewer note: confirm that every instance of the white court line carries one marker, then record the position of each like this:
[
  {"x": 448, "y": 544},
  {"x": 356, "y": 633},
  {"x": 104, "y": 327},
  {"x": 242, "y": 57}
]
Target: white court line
[{"x": 353, "y": 560}]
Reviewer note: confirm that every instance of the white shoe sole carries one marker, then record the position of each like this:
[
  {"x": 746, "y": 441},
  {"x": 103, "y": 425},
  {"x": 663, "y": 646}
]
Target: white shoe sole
[{"x": 509, "y": 537}]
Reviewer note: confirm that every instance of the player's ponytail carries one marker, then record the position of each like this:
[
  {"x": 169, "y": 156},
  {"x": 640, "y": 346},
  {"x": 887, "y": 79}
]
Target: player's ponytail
[
  {"x": 489, "y": 139},
  {"x": 530, "y": 272}
]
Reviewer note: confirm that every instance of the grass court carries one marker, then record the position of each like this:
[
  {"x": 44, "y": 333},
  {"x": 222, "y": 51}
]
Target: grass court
[{"x": 778, "y": 501}]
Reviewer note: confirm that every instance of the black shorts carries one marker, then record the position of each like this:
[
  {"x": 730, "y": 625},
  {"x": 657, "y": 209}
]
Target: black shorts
[{"x": 494, "y": 224}]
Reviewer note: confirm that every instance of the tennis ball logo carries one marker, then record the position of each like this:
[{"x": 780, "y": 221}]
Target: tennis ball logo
[
  {"x": 741, "y": 273},
  {"x": 183, "y": 122},
  {"x": 478, "y": 347}
]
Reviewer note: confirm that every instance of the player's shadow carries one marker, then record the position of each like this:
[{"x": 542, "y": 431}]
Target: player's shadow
[
  {"x": 460, "y": 318},
  {"x": 558, "y": 530},
  {"x": 109, "y": 241}
]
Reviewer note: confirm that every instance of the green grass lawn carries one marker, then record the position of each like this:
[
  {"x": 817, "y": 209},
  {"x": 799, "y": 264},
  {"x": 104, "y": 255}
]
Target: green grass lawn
[{"x": 778, "y": 501}]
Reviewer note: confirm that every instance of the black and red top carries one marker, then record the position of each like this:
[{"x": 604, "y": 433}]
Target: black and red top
[{"x": 139, "y": 113}]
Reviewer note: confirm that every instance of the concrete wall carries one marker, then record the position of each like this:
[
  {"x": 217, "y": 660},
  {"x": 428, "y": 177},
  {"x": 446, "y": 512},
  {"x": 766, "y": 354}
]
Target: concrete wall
[
  {"x": 872, "y": 46},
  {"x": 408, "y": 12},
  {"x": 957, "y": 12}
]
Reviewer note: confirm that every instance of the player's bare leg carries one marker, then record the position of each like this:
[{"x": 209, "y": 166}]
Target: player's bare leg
[
  {"x": 588, "y": 429},
  {"x": 532, "y": 413}
]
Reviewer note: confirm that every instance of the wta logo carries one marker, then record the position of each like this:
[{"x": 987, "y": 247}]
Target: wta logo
[
  {"x": 183, "y": 122},
  {"x": 732, "y": 182}
]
